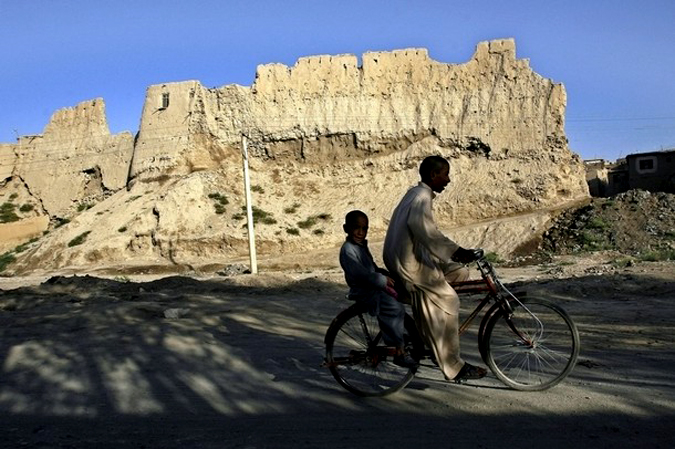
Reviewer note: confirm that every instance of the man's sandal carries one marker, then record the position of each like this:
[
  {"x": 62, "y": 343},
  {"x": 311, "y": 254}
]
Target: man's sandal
[{"x": 469, "y": 371}]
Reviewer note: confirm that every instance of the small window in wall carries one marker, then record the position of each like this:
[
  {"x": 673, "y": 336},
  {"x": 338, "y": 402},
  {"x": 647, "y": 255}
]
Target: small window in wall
[
  {"x": 165, "y": 100},
  {"x": 645, "y": 164}
]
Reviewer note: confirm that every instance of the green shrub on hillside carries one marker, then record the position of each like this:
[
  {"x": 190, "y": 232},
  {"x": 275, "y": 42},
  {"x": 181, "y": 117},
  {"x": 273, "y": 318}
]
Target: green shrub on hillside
[
  {"x": 220, "y": 198},
  {"x": 220, "y": 201},
  {"x": 292, "y": 209},
  {"x": 5, "y": 260},
  {"x": 493, "y": 257},
  {"x": 312, "y": 220},
  {"x": 591, "y": 241},
  {"x": 261, "y": 216},
  {"x": 307, "y": 223},
  {"x": 598, "y": 223},
  {"x": 623, "y": 262},
  {"x": 657, "y": 256},
  {"x": 61, "y": 222},
  {"x": 79, "y": 239},
  {"x": 21, "y": 248},
  {"x": 7, "y": 214}
]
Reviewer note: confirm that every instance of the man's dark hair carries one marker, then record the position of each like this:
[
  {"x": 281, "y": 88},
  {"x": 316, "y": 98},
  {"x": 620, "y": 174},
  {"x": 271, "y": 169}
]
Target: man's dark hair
[
  {"x": 431, "y": 164},
  {"x": 351, "y": 217}
]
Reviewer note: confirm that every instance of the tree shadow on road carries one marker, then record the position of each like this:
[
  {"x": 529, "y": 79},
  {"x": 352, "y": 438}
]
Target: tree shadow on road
[{"x": 179, "y": 362}]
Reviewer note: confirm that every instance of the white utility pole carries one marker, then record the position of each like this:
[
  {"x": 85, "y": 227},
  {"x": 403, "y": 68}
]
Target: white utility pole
[{"x": 249, "y": 208}]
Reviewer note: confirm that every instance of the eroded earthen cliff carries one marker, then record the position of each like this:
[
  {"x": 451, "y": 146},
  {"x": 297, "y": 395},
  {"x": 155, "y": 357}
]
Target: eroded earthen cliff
[
  {"x": 75, "y": 163},
  {"x": 325, "y": 136}
]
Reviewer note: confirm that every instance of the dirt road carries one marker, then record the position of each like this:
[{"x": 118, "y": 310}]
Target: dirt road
[{"x": 235, "y": 362}]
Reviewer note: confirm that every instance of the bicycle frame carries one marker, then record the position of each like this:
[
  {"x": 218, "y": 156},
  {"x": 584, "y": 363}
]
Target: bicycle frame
[{"x": 490, "y": 284}]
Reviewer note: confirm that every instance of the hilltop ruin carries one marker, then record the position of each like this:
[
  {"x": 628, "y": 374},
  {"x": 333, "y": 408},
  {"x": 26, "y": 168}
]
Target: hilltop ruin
[{"x": 325, "y": 136}]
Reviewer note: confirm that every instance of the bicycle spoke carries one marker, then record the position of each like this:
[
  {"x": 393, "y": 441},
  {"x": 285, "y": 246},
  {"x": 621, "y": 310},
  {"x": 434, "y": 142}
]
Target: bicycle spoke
[
  {"x": 536, "y": 350},
  {"x": 358, "y": 359}
]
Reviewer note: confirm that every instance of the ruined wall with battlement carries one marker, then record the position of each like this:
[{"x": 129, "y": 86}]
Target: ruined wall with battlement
[
  {"x": 327, "y": 135},
  {"x": 494, "y": 104},
  {"x": 76, "y": 160}
]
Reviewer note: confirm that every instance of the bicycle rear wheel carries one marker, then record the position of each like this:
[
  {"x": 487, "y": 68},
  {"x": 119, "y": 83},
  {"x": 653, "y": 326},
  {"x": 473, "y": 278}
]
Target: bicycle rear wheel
[
  {"x": 533, "y": 350},
  {"x": 358, "y": 358}
]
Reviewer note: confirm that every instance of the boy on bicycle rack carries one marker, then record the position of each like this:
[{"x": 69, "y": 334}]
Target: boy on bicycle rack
[
  {"x": 426, "y": 262},
  {"x": 372, "y": 285}
]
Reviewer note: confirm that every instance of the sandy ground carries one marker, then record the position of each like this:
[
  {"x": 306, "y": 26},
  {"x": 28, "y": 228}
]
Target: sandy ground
[{"x": 234, "y": 362}]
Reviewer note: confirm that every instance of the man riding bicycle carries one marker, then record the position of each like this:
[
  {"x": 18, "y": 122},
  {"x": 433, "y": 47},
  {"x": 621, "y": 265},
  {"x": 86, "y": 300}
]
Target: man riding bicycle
[{"x": 426, "y": 262}]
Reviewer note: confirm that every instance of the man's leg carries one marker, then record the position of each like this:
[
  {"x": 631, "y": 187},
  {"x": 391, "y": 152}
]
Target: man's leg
[
  {"x": 440, "y": 329},
  {"x": 458, "y": 273}
]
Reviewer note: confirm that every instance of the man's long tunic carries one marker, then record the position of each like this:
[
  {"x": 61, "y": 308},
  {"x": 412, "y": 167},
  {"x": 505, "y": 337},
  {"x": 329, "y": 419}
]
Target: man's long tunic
[{"x": 419, "y": 254}]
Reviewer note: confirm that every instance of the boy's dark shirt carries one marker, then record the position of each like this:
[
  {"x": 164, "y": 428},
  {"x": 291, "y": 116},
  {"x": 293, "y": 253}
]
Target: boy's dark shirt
[{"x": 360, "y": 270}]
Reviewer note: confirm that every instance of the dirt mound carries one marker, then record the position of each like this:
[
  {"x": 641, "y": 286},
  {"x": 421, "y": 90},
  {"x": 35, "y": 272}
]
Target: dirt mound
[{"x": 636, "y": 223}]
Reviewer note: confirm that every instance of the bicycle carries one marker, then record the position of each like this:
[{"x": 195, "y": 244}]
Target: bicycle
[{"x": 528, "y": 343}]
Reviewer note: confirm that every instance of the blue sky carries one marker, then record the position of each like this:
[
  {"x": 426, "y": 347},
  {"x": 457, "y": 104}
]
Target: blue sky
[{"x": 615, "y": 58}]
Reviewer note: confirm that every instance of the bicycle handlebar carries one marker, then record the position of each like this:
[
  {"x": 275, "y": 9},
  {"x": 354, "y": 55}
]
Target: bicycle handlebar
[{"x": 478, "y": 254}]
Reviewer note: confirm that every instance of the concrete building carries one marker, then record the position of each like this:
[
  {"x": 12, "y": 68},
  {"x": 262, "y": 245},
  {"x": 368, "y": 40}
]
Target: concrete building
[{"x": 654, "y": 171}]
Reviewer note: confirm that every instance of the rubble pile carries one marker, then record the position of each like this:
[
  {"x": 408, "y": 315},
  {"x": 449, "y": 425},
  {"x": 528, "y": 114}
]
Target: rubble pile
[{"x": 636, "y": 223}]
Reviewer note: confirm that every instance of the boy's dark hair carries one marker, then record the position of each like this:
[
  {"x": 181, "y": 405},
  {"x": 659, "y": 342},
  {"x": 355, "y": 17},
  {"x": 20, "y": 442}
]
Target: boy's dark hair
[
  {"x": 351, "y": 217},
  {"x": 431, "y": 164}
]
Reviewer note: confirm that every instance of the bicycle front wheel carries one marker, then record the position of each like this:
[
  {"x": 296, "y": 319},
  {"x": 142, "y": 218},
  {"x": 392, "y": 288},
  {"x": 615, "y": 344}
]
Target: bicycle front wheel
[
  {"x": 535, "y": 348},
  {"x": 358, "y": 358}
]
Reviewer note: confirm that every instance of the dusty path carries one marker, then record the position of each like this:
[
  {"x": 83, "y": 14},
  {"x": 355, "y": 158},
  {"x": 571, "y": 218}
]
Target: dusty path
[{"x": 234, "y": 362}]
